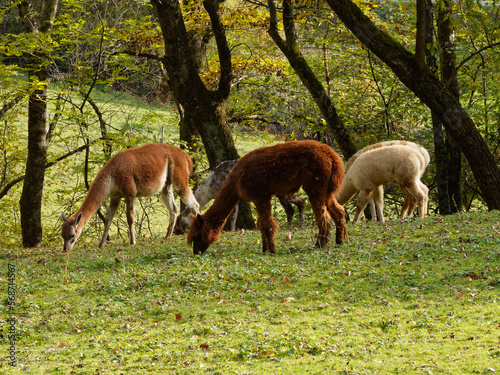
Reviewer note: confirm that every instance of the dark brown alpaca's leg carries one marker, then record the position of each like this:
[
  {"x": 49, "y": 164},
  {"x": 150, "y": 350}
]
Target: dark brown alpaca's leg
[
  {"x": 322, "y": 221},
  {"x": 267, "y": 225},
  {"x": 337, "y": 213}
]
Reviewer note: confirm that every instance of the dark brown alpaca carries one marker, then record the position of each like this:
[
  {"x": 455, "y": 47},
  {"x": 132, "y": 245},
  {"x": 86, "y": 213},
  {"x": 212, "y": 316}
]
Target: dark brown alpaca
[{"x": 277, "y": 170}]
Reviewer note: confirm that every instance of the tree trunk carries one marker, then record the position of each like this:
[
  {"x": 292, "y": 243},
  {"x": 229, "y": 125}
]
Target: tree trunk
[
  {"x": 427, "y": 87},
  {"x": 450, "y": 80},
  {"x": 31, "y": 197},
  {"x": 440, "y": 158},
  {"x": 291, "y": 50},
  {"x": 203, "y": 109}
]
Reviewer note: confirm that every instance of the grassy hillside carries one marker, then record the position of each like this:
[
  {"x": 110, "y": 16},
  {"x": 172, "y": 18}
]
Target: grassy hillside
[{"x": 419, "y": 296}]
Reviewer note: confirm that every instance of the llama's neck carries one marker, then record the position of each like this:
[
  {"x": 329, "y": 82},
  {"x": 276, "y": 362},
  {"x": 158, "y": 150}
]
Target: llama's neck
[
  {"x": 203, "y": 195},
  {"x": 346, "y": 192},
  {"x": 224, "y": 203},
  {"x": 98, "y": 191}
]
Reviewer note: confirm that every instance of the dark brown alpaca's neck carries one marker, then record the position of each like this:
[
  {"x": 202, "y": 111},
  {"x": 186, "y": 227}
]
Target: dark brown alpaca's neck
[{"x": 222, "y": 207}]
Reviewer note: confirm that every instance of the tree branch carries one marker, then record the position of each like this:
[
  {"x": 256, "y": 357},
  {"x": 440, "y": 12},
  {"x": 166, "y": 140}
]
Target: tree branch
[{"x": 12, "y": 183}]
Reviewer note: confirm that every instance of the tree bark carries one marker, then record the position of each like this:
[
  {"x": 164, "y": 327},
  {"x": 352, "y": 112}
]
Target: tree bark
[
  {"x": 291, "y": 50},
  {"x": 204, "y": 109},
  {"x": 450, "y": 80},
  {"x": 31, "y": 196},
  {"x": 427, "y": 87}
]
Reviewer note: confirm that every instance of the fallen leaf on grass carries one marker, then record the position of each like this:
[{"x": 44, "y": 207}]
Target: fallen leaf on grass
[
  {"x": 178, "y": 317},
  {"x": 204, "y": 346}
]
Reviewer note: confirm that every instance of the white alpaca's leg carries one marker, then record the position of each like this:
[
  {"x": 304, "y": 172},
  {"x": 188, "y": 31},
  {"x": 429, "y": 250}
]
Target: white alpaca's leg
[
  {"x": 378, "y": 199},
  {"x": 419, "y": 195},
  {"x": 363, "y": 199},
  {"x": 373, "y": 210}
]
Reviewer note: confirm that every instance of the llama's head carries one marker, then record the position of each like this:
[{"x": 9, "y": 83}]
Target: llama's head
[
  {"x": 200, "y": 235},
  {"x": 70, "y": 231}
]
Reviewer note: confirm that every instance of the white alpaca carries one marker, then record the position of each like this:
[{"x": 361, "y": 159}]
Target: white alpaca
[
  {"x": 375, "y": 168},
  {"x": 377, "y": 197}
]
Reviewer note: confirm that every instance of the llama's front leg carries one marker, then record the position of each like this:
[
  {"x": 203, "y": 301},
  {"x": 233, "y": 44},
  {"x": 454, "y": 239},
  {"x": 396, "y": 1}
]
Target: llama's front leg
[
  {"x": 167, "y": 196},
  {"x": 114, "y": 203},
  {"x": 267, "y": 225},
  {"x": 130, "y": 203}
]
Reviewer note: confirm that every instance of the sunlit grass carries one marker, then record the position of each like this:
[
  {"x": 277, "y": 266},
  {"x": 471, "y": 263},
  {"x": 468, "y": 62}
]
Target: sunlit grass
[{"x": 417, "y": 296}]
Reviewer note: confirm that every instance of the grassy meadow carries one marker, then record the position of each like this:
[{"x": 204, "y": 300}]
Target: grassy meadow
[{"x": 410, "y": 297}]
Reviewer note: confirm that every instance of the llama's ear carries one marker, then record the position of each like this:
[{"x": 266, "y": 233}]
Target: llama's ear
[
  {"x": 77, "y": 220},
  {"x": 63, "y": 216}
]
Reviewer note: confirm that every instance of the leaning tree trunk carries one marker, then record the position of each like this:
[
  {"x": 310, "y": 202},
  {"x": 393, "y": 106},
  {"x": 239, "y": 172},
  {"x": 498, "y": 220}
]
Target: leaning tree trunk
[
  {"x": 291, "y": 50},
  {"x": 31, "y": 197},
  {"x": 427, "y": 87},
  {"x": 204, "y": 109}
]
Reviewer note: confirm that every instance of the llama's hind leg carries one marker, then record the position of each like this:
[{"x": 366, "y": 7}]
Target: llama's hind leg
[
  {"x": 167, "y": 196},
  {"x": 267, "y": 225},
  {"x": 337, "y": 213},
  {"x": 114, "y": 203},
  {"x": 130, "y": 203}
]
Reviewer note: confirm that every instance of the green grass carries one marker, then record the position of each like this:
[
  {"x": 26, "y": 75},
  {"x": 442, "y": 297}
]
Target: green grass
[{"x": 419, "y": 296}]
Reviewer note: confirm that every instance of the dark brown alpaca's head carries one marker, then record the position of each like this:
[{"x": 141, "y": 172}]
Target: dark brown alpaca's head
[{"x": 198, "y": 235}]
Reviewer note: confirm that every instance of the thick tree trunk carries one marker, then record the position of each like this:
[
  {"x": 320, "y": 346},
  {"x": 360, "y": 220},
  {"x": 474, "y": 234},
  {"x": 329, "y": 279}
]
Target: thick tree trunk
[
  {"x": 203, "y": 109},
  {"x": 31, "y": 197},
  {"x": 291, "y": 50},
  {"x": 432, "y": 92}
]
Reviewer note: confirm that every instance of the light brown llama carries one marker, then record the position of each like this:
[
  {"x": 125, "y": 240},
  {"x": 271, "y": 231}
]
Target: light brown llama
[
  {"x": 381, "y": 166},
  {"x": 211, "y": 185},
  {"x": 137, "y": 172},
  {"x": 277, "y": 170},
  {"x": 377, "y": 197}
]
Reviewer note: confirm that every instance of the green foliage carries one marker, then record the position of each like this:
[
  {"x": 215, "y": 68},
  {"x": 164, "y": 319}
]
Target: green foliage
[{"x": 406, "y": 297}]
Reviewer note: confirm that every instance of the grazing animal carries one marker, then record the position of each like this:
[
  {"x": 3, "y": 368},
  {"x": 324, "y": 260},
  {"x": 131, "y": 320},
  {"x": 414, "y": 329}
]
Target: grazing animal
[
  {"x": 381, "y": 166},
  {"x": 209, "y": 188},
  {"x": 137, "y": 172},
  {"x": 377, "y": 197},
  {"x": 277, "y": 170}
]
